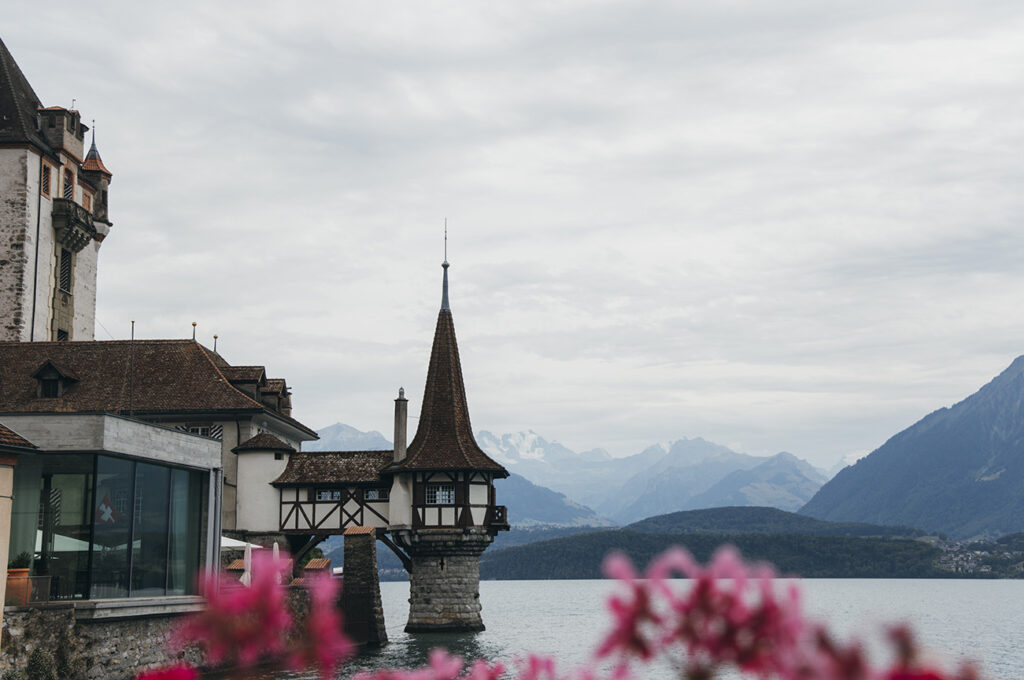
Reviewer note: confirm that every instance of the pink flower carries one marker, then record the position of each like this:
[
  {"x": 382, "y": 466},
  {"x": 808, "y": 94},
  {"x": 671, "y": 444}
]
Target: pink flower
[
  {"x": 240, "y": 625},
  {"x": 633, "y": 614},
  {"x": 176, "y": 672},
  {"x": 322, "y": 644}
]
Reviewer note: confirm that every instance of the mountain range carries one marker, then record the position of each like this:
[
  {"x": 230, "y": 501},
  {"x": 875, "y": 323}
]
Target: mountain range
[
  {"x": 959, "y": 470},
  {"x": 682, "y": 475},
  {"x": 552, "y": 485},
  {"x": 529, "y": 505}
]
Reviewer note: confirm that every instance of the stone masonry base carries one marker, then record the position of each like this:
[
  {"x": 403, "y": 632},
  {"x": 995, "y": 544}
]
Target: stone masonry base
[{"x": 444, "y": 586}]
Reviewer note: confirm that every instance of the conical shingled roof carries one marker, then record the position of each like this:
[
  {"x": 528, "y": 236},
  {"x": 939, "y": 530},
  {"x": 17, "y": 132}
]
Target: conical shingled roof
[
  {"x": 18, "y": 105},
  {"x": 93, "y": 161},
  {"x": 444, "y": 439}
]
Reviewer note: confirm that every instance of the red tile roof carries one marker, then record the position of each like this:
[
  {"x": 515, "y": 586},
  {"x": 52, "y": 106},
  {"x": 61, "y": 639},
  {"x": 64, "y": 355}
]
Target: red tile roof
[
  {"x": 9, "y": 437},
  {"x": 444, "y": 439},
  {"x": 318, "y": 564},
  {"x": 263, "y": 441},
  {"x": 93, "y": 161},
  {"x": 334, "y": 467},
  {"x": 170, "y": 376},
  {"x": 359, "y": 531}
]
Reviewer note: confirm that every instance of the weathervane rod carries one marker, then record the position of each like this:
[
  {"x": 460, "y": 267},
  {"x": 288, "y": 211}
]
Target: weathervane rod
[{"x": 446, "y": 239}]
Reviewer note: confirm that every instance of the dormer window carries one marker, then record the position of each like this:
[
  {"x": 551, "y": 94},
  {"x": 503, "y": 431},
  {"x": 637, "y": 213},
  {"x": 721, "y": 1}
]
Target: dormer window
[
  {"x": 52, "y": 381},
  {"x": 49, "y": 388}
]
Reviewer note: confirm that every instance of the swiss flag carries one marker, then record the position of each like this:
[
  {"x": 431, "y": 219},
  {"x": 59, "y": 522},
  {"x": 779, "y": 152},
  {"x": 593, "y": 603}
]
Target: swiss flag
[{"x": 105, "y": 512}]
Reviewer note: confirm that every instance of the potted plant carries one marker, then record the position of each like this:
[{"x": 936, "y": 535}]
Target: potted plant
[{"x": 18, "y": 583}]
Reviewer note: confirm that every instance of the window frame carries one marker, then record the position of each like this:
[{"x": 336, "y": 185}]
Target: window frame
[
  {"x": 377, "y": 493},
  {"x": 45, "y": 184},
  {"x": 69, "y": 185},
  {"x": 439, "y": 493}
]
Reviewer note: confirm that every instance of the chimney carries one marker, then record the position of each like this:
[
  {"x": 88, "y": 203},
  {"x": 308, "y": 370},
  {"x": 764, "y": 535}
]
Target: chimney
[{"x": 401, "y": 418}]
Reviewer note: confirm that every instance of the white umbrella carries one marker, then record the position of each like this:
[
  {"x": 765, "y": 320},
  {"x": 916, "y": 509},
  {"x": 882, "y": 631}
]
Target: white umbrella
[{"x": 246, "y": 577}]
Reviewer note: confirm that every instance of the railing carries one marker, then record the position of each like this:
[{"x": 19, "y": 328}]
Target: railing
[
  {"x": 73, "y": 224},
  {"x": 499, "y": 515}
]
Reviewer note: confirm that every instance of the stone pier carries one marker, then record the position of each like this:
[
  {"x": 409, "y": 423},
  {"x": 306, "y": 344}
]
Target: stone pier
[
  {"x": 360, "y": 594},
  {"x": 444, "y": 586}
]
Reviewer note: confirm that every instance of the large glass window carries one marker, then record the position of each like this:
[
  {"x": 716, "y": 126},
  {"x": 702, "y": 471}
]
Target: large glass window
[
  {"x": 187, "y": 520},
  {"x": 61, "y": 569},
  {"x": 103, "y": 527},
  {"x": 115, "y": 488},
  {"x": 149, "y": 543}
]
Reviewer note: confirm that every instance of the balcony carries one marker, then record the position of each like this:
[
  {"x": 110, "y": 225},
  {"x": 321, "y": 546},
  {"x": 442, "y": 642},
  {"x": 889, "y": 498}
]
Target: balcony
[
  {"x": 73, "y": 224},
  {"x": 497, "y": 518}
]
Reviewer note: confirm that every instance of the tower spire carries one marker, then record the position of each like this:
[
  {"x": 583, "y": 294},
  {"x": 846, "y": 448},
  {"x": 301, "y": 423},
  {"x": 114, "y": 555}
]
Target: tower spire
[{"x": 444, "y": 265}]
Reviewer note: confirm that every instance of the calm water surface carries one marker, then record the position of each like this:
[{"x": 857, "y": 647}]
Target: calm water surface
[{"x": 957, "y": 619}]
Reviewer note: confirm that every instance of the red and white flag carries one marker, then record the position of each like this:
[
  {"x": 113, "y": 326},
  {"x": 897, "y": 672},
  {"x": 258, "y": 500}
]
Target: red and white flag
[{"x": 105, "y": 512}]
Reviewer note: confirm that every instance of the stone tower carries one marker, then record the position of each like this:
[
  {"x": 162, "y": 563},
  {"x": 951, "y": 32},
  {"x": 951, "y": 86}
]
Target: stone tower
[
  {"x": 53, "y": 215},
  {"x": 443, "y": 510}
]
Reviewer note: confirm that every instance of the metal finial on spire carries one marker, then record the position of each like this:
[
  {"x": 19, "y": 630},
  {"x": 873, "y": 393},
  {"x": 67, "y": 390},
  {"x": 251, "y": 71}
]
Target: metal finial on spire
[{"x": 444, "y": 265}]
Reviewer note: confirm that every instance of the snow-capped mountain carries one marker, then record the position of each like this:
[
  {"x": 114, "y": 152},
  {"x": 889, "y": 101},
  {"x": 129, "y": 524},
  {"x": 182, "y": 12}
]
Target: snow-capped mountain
[
  {"x": 341, "y": 437},
  {"x": 681, "y": 475},
  {"x": 529, "y": 504},
  {"x": 552, "y": 485}
]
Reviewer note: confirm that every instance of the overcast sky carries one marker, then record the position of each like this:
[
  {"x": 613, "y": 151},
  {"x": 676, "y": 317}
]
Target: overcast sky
[{"x": 778, "y": 226}]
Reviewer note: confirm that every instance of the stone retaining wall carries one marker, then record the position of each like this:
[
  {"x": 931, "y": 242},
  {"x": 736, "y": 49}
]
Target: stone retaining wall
[{"x": 102, "y": 639}]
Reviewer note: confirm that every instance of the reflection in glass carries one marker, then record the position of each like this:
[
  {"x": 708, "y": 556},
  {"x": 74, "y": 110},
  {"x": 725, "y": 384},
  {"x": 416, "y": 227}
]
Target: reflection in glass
[
  {"x": 186, "y": 516},
  {"x": 61, "y": 568},
  {"x": 112, "y": 528},
  {"x": 149, "y": 541}
]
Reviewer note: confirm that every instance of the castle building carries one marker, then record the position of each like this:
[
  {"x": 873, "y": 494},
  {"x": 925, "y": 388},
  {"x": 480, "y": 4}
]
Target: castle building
[
  {"x": 432, "y": 502},
  {"x": 53, "y": 217}
]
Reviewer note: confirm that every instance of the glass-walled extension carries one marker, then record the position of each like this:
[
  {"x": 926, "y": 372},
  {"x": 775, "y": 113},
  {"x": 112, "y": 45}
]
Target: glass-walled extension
[{"x": 97, "y": 526}]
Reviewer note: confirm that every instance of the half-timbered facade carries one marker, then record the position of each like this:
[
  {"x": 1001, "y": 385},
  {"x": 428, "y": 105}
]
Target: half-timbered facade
[
  {"x": 433, "y": 499},
  {"x": 329, "y": 491}
]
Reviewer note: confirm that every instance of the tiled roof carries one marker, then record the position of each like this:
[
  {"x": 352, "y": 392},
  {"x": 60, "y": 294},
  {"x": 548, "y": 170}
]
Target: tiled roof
[
  {"x": 236, "y": 565},
  {"x": 274, "y": 386},
  {"x": 444, "y": 439},
  {"x": 359, "y": 531},
  {"x": 93, "y": 161},
  {"x": 334, "y": 467},
  {"x": 177, "y": 376},
  {"x": 318, "y": 564},
  {"x": 243, "y": 373},
  {"x": 264, "y": 441},
  {"x": 18, "y": 105},
  {"x": 9, "y": 437}
]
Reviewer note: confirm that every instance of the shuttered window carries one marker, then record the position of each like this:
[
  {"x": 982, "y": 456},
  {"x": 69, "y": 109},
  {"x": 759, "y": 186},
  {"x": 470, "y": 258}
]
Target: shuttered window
[
  {"x": 69, "y": 185},
  {"x": 45, "y": 183},
  {"x": 65, "y": 270}
]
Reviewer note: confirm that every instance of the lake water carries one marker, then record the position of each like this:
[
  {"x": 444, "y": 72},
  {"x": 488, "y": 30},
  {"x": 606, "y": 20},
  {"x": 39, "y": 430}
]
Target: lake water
[{"x": 955, "y": 619}]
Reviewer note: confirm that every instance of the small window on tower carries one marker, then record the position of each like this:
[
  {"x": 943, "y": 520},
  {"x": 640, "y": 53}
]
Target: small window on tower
[
  {"x": 69, "y": 185},
  {"x": 87, "y": 201},
  {"x": 45, "y": 183},
  {"x": 440, "y": 494},
  {"x": 65, "y": 270},
  {"x": 61, "y": 336}
]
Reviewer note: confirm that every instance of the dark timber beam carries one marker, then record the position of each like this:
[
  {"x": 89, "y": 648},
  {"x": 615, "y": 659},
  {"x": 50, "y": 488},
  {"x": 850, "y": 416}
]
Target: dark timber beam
[{"x": 406, "y": 562}]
